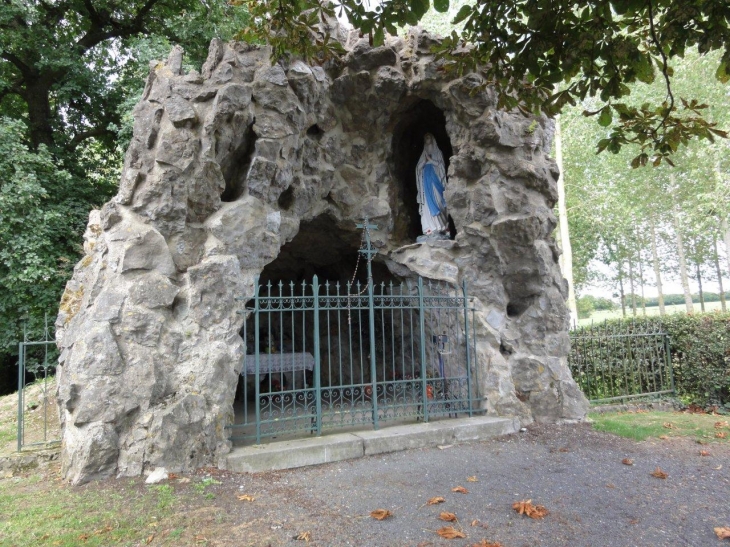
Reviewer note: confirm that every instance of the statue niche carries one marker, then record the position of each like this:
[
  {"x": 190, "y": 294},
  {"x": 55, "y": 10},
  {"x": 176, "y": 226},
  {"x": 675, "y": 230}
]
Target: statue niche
[
  {"x": 410, "y": 125},
  {"x": 431, "y": 183}
]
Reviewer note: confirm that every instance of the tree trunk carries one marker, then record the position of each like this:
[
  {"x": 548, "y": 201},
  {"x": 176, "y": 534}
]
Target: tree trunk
[
  {"x": 719, "y": 273},
  {"x": 566, "y": 262},
  {"x": 36, "y": 95},
  {"x": 621, "y": 288},
  {"x": 726, "y": 236},
  {"x": 682, "y": 262},
  {"x": 641, "y": 285},
  {"x": 699, "y": 282},
  {"x": 657, "y": 270},
  {"x": 631, "y": 285}
]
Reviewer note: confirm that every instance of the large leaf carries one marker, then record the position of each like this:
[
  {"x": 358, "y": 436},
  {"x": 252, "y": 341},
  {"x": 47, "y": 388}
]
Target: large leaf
[
  {"x": 463, "y": 13},
  {"x": 441, "y": 6},
  {"x": 604, "y": 119},
  {"x": 420, "y": 7},
  {"x": 722, "y": 73}
]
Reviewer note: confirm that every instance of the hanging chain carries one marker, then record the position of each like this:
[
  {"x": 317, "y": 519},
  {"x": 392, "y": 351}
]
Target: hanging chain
[{"x": 365, "y": 238}]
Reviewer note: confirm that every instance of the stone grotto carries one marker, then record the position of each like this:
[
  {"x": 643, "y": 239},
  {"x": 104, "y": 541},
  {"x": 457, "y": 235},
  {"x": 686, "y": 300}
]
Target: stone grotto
[{"x": 249, "y": 169}]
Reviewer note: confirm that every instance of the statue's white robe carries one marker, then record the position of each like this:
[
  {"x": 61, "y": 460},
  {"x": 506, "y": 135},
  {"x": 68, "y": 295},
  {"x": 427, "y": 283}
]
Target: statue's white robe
[{"x": 431, "y": 223}]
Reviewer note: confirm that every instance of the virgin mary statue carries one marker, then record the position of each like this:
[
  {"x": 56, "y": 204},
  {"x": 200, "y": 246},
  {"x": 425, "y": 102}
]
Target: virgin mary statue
[{"x": 431, "y": 181}]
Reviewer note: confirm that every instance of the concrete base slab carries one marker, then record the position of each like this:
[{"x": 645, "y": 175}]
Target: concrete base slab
[
  {"x": 345, "y": 446},
  {"x": 295, "y": 453},
  {"x": 405, "y": 437}
]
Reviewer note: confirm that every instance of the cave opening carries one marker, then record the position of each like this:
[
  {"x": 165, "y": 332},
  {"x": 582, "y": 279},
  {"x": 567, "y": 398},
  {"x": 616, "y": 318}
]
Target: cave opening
[
  {"x": 411, "y": 125},
  {"x": 331, "y": 356},
  {"x": 324, "y": 249},
  {"x": 286, "y": 328}
]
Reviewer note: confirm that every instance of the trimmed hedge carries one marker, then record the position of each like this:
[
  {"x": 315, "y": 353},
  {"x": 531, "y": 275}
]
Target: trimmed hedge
[{"x": 700, "y": 350}]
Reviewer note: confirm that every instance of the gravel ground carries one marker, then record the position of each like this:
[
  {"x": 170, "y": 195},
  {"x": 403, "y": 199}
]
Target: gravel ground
[{"x": 577, "y": 474}]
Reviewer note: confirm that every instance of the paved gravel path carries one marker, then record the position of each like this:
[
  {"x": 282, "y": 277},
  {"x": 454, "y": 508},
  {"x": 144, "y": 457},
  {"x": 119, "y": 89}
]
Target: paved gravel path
[{"x": 576, "y": 473}]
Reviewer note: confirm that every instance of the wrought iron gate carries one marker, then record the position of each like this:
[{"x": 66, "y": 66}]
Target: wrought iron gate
[
  {"x": 37, "y": 413},
  {"x": 324, "y": 355}
]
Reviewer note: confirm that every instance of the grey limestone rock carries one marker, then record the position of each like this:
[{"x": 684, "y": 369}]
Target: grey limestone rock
[{"x": 251, "y": 167}]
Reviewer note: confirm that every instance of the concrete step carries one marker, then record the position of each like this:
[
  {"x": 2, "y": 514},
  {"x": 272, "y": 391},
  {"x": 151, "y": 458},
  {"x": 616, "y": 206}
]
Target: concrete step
[{"x": 345, "y": 446}]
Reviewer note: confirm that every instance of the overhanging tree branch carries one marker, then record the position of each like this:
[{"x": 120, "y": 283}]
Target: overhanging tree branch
[
  {"x": 85, "y": 135},
  {"x": 105, "y": 27},
  {"x": 665, "y": 64},
  {"x": 16, "y": 61}
]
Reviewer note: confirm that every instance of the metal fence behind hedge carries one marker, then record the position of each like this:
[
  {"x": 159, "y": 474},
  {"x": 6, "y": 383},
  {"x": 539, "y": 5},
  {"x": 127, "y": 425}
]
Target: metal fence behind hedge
[{"x": 611, "y": 362}]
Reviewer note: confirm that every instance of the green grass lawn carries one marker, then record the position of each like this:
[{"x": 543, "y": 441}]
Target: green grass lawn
[
  {"x": 63, "y": 516},
  {"x": 41, "y": 510},
  {"x": 602, "y": 315},
  {"x": 643, "y": 425}
]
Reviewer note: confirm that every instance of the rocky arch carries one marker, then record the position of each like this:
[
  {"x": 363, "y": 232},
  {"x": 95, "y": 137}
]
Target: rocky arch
[{"x": 226, "y": 167}]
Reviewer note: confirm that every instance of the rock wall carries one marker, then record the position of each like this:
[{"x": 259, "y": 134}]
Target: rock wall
[{"x": 224, "y": 167}]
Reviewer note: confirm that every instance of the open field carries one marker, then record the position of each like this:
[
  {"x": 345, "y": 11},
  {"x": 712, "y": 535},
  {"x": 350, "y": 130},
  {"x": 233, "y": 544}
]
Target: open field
[{"x": 602, "y": 315}]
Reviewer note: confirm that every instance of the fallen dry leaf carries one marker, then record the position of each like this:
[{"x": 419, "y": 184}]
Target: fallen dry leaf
[
  {"x": 100, "y": 531},
  {"x": 720, "y": 434},
  {"x": 627, "y": 461},
  {"x": 610, "y": 485},
  {"x": 695, "y": 409},
  {"x": 668, "y": 425},
  {"x": 472, "y": 479},
  {"x": 719, "y": 425},
  {"x": 200, "y": 539},
  {"x": 245, "y": 497},
  {"x": 149, "y": 539},
  {"x": 723, "y": 532},
  {"x": 173, "y": 476},
  {"x": 476, "y": 522},
  {"x": 525, "y": 507},
  {"x": 381, "y": 514},
  {"x": 664, "y": 437},
  {"x": 303, "y": 536},
  {"x": 485, "y": 543},
  {"x": 460, "y": 489},
  {"x": 83, "y": 537},
  {"x": 564, "y": 449},
  {"x": 448, "y": 517},
  {"x": 704, "y": 452},
  {"x": 435, "y": 501},
  {"x": 449, "y": 532},
  {"x": 659, "y": 474}
]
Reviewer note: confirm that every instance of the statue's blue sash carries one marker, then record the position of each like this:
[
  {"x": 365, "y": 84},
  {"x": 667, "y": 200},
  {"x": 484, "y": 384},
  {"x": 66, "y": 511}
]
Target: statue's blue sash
[{"x": 433, "y": 189}]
